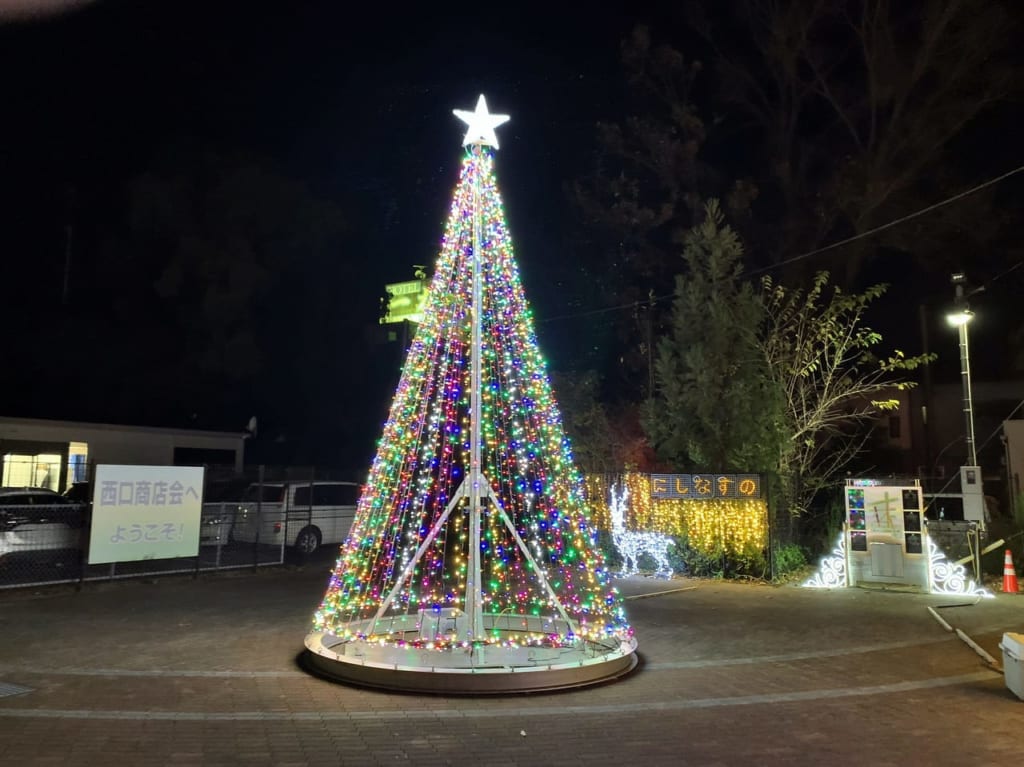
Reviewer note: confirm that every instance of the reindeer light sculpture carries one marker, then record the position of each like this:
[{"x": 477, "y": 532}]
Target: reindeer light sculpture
[{"x": 631, "y": 544}]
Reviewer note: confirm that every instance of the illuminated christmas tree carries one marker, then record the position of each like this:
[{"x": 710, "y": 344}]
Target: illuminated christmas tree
[{"x": 471, "y": 540}]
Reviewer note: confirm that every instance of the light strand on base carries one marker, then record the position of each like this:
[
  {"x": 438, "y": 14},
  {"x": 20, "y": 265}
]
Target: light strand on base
[
  {"x": 832, "y": 570},
  {"x": 951, "y": 578},
  {"x": 946, "y": 577}
]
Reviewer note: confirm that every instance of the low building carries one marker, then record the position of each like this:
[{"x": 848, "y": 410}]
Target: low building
[
  {"x": 1013, "y": 441},
  {"x": 53, "y": 454}
]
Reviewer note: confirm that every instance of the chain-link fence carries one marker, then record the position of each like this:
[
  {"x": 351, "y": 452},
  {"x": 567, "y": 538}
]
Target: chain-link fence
[{"x": 261, "y": 516}]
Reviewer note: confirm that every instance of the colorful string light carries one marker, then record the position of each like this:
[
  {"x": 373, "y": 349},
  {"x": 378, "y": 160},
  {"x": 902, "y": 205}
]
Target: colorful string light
[{"x": 423, "y": 456}]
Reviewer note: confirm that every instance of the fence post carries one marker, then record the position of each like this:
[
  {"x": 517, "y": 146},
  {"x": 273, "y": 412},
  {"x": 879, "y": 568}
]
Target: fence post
[
  {"x": 259, "y": 520},
  {"x": 302, "y": 556},
  {"x": 199, "y": 547},
  {"x": 220, "y": 544},
  {"x": 84, "y": 537},
  {"x": 768, "y": 521}
]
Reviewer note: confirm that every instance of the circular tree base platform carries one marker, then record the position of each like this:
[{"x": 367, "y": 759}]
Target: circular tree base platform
[{"x": 409, "y": 664}]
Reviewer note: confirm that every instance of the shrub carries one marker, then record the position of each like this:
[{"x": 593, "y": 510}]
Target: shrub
[{"x": 788, "y": 559}]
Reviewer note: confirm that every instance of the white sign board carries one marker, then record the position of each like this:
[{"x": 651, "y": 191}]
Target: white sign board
[{"x": 145, "y": 512}]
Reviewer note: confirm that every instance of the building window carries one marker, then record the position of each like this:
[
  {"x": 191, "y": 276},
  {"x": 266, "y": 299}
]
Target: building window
[
  {"x": 894, "y": 427},
  {"x": 26, "y": 470}
]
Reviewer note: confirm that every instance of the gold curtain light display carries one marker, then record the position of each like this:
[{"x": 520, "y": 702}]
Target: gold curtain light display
[{"x": 713, "y": 526}]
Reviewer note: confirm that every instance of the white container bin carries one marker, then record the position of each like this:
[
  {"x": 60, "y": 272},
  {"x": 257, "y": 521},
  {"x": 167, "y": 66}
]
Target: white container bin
[{"x": 1013, "y": 662}]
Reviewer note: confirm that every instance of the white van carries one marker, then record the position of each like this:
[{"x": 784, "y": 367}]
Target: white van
[{"x": 306, "y": 515}]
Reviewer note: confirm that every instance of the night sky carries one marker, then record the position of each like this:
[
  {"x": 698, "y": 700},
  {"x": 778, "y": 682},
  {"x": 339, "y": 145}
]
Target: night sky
[
  {"x": 345, "y": 102},
  {"x": 354, "y": 105}
]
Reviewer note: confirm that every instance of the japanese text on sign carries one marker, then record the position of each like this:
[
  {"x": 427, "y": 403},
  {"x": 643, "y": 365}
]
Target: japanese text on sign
[
  {"x": 705, "y": 486},
  {"x": 145, "y": 493},
  {"x": 164, "y": 531},
  {"x": 145, "y": 512}
]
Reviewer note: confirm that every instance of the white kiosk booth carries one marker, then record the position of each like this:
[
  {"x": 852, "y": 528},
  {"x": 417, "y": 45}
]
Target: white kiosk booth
[
  {"x": 885, "y": 542},
  {"x": 885, "y": 524}
]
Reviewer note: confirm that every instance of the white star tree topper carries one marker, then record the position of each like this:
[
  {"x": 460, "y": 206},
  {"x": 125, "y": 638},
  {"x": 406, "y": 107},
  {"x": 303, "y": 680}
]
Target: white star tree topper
[{"x": 481, "y": 124}]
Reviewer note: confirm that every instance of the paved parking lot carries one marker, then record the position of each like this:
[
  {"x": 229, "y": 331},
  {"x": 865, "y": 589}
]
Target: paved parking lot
[{"x": 177, "y": 671}]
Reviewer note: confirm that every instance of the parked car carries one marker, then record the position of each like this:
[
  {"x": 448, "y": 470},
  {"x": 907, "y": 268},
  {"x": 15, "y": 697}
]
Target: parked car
[
  {"x": 79, "y": 492},
  {"x": 306, "y": 515},
  {"x": 221, "y": 498},
  {"x": 216, "y": 523},
  {"x": 38, "y": 524}
]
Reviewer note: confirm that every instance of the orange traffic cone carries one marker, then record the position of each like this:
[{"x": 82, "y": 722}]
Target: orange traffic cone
[{"x": 1009, "y": 575}]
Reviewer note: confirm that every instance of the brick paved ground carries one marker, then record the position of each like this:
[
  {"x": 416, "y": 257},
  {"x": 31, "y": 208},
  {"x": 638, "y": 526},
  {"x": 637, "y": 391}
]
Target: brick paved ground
[{"x": 183, "y": 672}]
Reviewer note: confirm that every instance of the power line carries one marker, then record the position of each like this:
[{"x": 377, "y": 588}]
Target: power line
[
  {"x": 817, "y": 251},
  {"x": 605, "y": 310},
  {"x": 891, "y": 224},
  {"x": 1001, "y": 275}
]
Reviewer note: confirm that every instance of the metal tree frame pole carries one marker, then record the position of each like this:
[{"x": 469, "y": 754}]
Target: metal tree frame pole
[{"x": 474, "y": 596}]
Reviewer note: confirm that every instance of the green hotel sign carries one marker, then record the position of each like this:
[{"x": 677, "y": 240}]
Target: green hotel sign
[{"x": 404, "y": 301}]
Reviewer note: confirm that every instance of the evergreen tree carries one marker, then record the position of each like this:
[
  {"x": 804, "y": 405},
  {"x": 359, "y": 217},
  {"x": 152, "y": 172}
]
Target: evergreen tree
[{"x": 716, "y": 407}]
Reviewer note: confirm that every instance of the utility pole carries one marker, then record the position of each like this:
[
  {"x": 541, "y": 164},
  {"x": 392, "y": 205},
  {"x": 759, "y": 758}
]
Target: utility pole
[
  {"x": 926, "y": 393},
  {"x": 970, "y": 473}
]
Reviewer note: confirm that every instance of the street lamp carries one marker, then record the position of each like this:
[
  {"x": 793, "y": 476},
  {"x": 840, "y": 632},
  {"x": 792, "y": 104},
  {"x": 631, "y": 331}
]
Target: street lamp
[
  {"x": 959, "y": 317},
  {"x": 970, "y": 475}
]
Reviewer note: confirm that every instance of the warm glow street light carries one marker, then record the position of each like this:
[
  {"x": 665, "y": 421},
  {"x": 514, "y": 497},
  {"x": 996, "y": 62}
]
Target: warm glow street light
[{"x": 959, "y": 318}]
